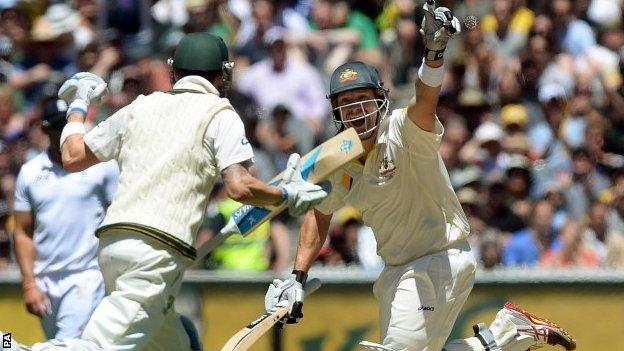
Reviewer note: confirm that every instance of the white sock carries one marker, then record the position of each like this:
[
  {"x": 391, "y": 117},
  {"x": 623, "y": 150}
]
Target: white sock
[
  {"x": 470, "y": 344},
  {"x": 506, "y": 334}
]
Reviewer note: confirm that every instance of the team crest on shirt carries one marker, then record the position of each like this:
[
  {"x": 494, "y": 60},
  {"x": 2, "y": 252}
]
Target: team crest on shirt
[{"x": 387, "y": 167}]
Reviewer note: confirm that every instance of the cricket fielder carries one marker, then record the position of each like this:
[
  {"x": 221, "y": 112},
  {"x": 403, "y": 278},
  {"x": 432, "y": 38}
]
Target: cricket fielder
[
  {"x": 56, "y": 215},
  {"x": 403, "y": 190},
  {"x": 170, "y": 148}
]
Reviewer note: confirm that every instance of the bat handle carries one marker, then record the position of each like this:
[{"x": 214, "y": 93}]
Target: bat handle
[
  {"x": 227, "y": 231},
  {"x": 312, "y": 285}
]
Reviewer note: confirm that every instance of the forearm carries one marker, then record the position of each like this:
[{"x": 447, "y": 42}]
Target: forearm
[
  {"x": 74, "y": 153},
  {"x": 421, "y": 109},
  {"x": 427, "y": 95},
  {"x": 245, "y": 188},
  {"x": 257, "y": 192},
  {"x": 25, "y": 254},
  {"x": 438, "y": 27},
  {"x": 313, "y": 234}
]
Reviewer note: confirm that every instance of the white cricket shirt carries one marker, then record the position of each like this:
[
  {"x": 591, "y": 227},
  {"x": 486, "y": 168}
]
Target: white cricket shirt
[
  {"x": 403, "y": 192},
  {"x": 67, "y": 209}
]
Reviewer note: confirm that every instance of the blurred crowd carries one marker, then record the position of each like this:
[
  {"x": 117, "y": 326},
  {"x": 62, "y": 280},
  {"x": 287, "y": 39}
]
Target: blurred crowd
[{"x": 532, "y": 104}]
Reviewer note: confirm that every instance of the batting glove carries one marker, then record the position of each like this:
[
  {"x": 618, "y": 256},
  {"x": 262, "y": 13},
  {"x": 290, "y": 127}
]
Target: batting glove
[
  {"x": 299, "y": 194},
  {"x": 288, "y": 293},
  {"x": 438, "y": 27},
  {"x": 80, "y": 90}
]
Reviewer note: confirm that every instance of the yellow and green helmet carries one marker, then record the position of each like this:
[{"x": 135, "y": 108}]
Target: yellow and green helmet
[{"x": 353, "y": 75}]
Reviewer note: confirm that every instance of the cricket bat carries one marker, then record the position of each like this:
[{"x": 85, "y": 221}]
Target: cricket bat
[
  {"x": 316, "y": 166},
  {"x": 247, "y": 336}
]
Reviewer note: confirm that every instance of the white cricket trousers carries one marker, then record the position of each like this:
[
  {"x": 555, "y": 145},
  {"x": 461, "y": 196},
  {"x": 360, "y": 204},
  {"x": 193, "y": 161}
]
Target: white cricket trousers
[
  {"x": 142, "y": 277},
  {"x": 420, "y": 301},
  {"x": 73, "y": 297}
]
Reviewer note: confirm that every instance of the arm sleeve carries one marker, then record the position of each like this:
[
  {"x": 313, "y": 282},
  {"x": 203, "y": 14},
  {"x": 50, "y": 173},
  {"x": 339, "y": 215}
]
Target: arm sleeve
[
  {"x": 105, "y": 139},
  {"x": 226, "y": 134},
  {"x": 22, "y": 200},
  {"x": 417, "y": 141}
]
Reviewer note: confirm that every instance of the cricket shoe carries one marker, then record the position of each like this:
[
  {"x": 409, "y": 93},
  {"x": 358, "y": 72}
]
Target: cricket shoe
[{"x": 530, "y": 328}]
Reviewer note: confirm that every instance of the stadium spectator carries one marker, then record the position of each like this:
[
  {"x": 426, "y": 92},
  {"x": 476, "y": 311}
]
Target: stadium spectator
[
  {"x": 12, "y": 123},
  {"x": 527, "y": 246},
  {"x": 280, "y": 80},
  {"x": 586, "y": 185},
  {"x": 342, "y": 33},
  {"x": 506, "y": 29},
  {"x": 491, "y": 250},
  {"x": 574, "y": 35},
  {"x": 596, "y": 229},
  {"x": 284, "y": 134},
  {"x": 574, "y": 251}
]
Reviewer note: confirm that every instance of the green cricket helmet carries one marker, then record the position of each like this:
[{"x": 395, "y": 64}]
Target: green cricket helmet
[
  {"x": 53, "y": 114},
  {"x": 356, "y": 75},
  {"x": 202, "y": 52}
]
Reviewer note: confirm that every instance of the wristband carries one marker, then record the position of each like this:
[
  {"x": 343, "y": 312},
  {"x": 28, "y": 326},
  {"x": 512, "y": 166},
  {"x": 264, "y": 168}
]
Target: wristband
[
  {"x": 433, "y": 55},
  {"x": 300, "y": 276},
  {"x": 72, "y": 128},
  {"x": 431, "y": 76},
  {"x": 77, "y": 106}
]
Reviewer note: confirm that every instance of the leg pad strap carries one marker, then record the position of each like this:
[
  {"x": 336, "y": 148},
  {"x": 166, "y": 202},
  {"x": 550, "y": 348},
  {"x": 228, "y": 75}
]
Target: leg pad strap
[{"x": 486, "y": 337}]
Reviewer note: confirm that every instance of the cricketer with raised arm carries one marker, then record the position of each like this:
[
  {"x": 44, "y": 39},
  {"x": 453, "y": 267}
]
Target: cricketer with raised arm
[
  {"x": 402, "y": 188},
  {"x": 170, "y": 147}
]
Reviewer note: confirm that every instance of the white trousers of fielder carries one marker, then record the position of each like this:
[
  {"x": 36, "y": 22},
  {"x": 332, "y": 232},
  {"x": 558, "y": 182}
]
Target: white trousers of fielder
[
  {"x": 142, "y": 277},
  {"x": 73, "y": 297}
]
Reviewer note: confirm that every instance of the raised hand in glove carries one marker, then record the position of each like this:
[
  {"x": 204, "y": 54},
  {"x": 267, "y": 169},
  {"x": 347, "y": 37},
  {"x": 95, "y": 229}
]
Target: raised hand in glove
[
  {"x": 438, "y": 27},
  {"x": 300, "y": 195},
  {"x": 288, "y": 293},
  {"x": 80, "y": 90}
]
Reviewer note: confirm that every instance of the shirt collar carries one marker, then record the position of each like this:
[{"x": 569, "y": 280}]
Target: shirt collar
[
  {"x": 46, "y": 161},
  {"x": 196, "y": 83}
]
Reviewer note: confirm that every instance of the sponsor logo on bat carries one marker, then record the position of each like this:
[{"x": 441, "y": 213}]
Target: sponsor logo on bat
[
  {"x": 257, "y": 321},
  {"x": 346, "y": 145}
]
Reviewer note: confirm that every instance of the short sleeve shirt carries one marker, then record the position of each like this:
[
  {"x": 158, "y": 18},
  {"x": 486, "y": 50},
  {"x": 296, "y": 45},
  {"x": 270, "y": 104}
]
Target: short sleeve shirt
[{"x": 67, "y": 209}]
